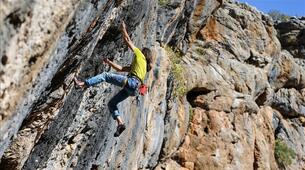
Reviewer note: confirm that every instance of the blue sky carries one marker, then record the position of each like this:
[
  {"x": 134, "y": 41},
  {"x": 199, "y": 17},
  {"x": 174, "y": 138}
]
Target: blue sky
[{"x": 288, "y": 7}]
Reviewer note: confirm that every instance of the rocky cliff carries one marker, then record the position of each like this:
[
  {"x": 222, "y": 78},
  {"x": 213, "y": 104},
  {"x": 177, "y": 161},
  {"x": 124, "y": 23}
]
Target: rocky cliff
[{"x": 227, "y": 90}]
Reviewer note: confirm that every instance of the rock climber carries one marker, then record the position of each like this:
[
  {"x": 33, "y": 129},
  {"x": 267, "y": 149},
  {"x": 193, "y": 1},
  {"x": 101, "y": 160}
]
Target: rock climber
[{"x": 141, "y": 64}]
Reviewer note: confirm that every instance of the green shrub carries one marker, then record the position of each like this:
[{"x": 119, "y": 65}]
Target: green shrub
[
  {"x": 163, "y": 2},
  {"x": 177, "y": 70},
  {"x": 199, "y": 51},
  {"x": 283, "y": 154}
]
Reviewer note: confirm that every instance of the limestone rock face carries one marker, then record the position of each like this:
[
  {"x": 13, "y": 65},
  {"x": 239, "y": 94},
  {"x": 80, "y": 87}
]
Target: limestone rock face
[
  {"x": 286, "y": 73},
  {"x": 292, "y": 36},
  {"x": 224, "y": 88}
]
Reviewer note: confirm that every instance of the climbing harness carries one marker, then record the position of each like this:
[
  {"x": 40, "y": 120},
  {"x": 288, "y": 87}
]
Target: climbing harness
[{"x": 142, "y": 88}]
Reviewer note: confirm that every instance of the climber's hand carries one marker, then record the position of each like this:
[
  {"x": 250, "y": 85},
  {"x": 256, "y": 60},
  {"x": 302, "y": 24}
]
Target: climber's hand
[
  {"x": 126, "y": 36},
  {"x": 106, "y": 60}
]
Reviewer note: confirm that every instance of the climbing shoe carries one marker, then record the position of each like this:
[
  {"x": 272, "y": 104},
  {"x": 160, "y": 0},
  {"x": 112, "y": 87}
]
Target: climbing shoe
[{"x": 119, "y": 130}]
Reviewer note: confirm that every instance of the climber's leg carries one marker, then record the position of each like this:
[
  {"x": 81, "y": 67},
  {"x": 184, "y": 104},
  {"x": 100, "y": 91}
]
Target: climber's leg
[
  {"x": 113, "y": 104},
  {"x": 116, "y": 79},
  {"x": 116, "y": 114}
]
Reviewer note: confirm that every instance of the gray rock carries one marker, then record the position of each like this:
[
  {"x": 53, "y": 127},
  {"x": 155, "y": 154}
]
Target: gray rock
[
  {"x": 292, "y": 36},
  {"x": 289, "y": 102},
  {"x": 227, "y": 67},
  {"x": 284, "y": 72}
]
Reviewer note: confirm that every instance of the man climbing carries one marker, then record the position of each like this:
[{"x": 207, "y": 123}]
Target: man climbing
[{"x": 141, "y": 64}]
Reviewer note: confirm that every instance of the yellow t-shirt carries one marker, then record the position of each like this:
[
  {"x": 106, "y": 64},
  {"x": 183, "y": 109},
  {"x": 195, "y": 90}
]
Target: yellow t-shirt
[{"x": 138, "y": 65}]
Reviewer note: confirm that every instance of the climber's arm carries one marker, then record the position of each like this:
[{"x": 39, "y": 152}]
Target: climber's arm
[
  {"x": 126, "y": 36},
  {"x": 117, "y": 67}
]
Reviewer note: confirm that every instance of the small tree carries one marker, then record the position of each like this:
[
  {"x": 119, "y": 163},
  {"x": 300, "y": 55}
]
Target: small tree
[{"x": 278, "y": 16}]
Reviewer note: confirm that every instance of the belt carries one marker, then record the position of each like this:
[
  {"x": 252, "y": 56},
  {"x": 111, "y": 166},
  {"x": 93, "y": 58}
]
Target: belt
[{"x": 134, "y": 76}]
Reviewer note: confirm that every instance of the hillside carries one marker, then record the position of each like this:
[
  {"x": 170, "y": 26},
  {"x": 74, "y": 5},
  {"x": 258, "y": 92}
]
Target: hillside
[{"x": 227, "y": 90}]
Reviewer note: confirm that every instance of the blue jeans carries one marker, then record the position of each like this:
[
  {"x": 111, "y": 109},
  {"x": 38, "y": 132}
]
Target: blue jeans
[{"x": 130, "y": 85}]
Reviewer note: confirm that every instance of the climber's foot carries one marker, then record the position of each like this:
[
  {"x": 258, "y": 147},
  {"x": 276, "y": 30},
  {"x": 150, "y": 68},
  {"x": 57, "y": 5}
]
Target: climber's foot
[
  {"x": 80, "y": 83},
  {"x": 119, "y": 130}
]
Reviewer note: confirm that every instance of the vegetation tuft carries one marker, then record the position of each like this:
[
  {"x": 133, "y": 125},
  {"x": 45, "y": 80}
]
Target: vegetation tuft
[
  {"x": 199, "y": 51},
  {"x": 283, "y": 154},
  {"x": 163, "y": 2},
  {"x": 177, "y": 70},
  {"x": 278, "y": 16}
]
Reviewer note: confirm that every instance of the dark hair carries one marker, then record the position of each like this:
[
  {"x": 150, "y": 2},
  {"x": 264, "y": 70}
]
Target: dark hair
[{"x": 149, "y": 57}]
